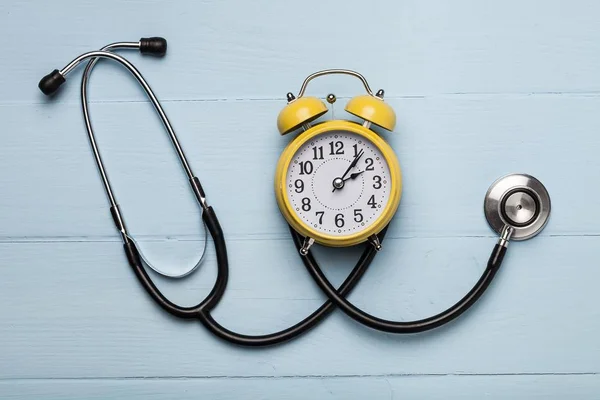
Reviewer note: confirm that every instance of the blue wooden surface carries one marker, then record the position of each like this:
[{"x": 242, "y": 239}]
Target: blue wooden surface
[{"x": 481, "y": 89}]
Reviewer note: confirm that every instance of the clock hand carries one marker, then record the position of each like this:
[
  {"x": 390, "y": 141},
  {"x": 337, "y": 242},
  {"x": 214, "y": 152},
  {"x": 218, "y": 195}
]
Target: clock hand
[
  {"x": 353, "y": 176},
  {"x": 340, "y": 181},
  {"x": 354, "y": 162}
]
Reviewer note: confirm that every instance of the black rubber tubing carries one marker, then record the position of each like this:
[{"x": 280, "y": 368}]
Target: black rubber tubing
[
  {"x": 211, "y": 300},
  {"x": 406, "y": 327},
  {"x": 202, "y": 310},
  {"x": 307, "y": 323}
]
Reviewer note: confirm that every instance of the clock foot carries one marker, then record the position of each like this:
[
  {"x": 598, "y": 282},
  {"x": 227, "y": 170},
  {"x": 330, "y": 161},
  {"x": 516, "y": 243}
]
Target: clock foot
[
  {"x": 308, "y": 242},
  {"x": 374, "y": 240}
]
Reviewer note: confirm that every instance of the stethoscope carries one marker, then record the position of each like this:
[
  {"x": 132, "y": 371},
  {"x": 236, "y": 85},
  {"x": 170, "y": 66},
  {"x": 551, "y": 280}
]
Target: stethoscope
[{"x": 517, "y": 207}]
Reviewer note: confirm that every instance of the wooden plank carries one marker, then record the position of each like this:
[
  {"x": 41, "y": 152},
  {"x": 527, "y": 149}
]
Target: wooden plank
[
  {"x": 481, "y": 89},
  {"x": 74, "y": 310},
  {"x": 263, "y": 49},
  {"x": 451, "y": 150},
  {"x": 547, "y": 387}
]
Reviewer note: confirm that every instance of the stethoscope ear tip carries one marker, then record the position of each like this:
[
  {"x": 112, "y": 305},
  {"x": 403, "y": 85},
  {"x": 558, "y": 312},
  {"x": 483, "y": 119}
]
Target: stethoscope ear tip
[
  {"x": 156, "y": 46},
  {"x": 51, "y": 82},
  {"x": 518, "y": 201}
]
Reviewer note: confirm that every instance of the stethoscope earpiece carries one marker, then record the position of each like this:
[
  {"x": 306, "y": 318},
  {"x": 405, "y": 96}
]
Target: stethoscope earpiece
[
  {"x": 519, "y": 202},
  {"x": 154, "y": 46}
]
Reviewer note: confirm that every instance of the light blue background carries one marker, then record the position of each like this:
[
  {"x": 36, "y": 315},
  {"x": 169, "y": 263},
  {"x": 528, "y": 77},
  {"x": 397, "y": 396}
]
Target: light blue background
[{"x": 481, "y": 89}]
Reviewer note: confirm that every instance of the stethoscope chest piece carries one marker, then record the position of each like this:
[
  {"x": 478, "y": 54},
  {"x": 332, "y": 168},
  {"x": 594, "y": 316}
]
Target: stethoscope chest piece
[{"x": 520, "y": 202}]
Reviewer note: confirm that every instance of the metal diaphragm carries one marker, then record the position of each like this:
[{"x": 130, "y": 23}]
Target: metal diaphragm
[{"x": 519, "y": 201}]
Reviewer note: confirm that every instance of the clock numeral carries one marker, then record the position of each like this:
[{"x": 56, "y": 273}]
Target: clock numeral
[
  {"x": 318, "y": 153},
  {"x": 358, "y": 217},
  {"x": 372, "y": 202},
  {"x": 369, "y": 162},
  {"x": 355, "y": 149},
  {"x": 336, "y": 148},
  {"x": 306, "y": 168},
  {"x": 299, "y": 186},
  {"x": 320, "y": 215},
  {"x": 339, "y": 220},
  {"x": 377, "y": 184},
  {"x": 306, "y": 204}
]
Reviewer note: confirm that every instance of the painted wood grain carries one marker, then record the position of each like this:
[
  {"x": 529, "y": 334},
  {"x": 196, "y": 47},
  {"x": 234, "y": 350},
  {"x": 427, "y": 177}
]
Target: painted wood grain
[
  {"x": 74, "y": 310},
  {"x": 451, "y": 149},
  {"x": 263, "y": 49},
  {"x": 550, "y": 387}
]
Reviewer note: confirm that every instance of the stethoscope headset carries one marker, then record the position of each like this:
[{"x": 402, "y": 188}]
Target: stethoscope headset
[{"x": 516, "y": 206}]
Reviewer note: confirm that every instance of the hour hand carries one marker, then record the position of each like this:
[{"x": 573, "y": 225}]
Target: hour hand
[
  {"x": 338, "y": 183},
  {"x": 354, "y": 175}
]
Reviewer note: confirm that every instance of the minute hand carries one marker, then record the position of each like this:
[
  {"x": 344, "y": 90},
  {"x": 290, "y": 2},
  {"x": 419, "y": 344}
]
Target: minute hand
[{"x": 353, "y": 163}]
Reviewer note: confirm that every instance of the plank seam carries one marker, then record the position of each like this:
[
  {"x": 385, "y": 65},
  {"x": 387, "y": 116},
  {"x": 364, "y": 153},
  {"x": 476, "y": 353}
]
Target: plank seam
[
  {"x": 592, "y": 94},
  {"x": 195, "y": 238},
  {"x": 340, "y": 376}
]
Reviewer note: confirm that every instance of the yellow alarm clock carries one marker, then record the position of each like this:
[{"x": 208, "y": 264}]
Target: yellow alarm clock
[{"x": 338, "y": 183}]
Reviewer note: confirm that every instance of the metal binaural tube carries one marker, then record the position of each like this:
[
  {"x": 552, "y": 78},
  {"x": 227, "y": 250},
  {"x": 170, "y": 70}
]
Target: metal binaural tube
[
  {"x": 131, "y": 68},
  {"x": 88, "y": 123}
]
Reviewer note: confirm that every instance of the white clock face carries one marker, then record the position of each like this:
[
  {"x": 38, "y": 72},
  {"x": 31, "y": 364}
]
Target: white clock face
[{"x": 338, "y": 183}]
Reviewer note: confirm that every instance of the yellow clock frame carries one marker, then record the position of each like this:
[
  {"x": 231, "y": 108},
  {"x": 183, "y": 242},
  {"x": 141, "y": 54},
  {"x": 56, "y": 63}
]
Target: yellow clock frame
[{"x": 304, "y": 229}]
